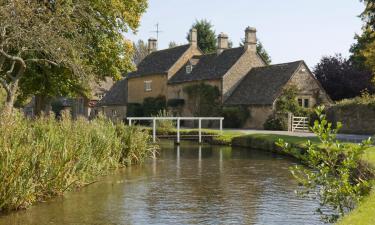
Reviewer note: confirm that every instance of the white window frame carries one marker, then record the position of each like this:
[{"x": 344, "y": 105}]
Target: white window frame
[
  {"x": 189, "y": 69},
  {"x": 148, "y": 85}
]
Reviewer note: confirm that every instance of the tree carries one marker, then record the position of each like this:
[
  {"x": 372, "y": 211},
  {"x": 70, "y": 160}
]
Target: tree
[
  {"x": 206, "y": 36},
  {"x": 342, "y": 78},
  {"x": 261, "y": 51},
  {"x": 140, "y": 51},
  {"x": 363, "y": 52},
  {"x": 172, "y": 44},
  {"x": 82, "y": 37}
]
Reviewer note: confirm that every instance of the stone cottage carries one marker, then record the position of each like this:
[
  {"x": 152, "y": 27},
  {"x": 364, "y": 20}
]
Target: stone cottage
[{"x": 240, "y": 74}]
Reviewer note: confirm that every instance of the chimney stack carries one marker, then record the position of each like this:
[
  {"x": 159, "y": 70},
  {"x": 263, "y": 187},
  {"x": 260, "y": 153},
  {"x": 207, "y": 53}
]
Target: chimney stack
[
  {"x": 250, "y": 39},
  {"x": 152, "y": 45},
  {"x": 222, "y": 40},
  {"x": 193, "y": 37}
]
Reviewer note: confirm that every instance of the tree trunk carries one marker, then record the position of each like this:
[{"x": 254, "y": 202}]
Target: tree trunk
[{"x": 11, "y": 96}]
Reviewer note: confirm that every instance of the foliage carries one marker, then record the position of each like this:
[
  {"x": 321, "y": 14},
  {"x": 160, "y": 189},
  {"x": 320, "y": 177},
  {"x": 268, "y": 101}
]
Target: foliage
[
  {"x": 364, "y": 99},
  {"x": 235, "y": 117},
  {"x": 338, "y": 172},
  {"x": 176, "y": 102},
  {"x": 206, "y": 36},
  {"x": 204, "y": 99},
  {"x": 263, "y": 53},
  {"x": 77, "y": 41},
  {"x": 172, "y": 44},
  {"x": 135, "y": 110},
  {"x": 287, "y": 102},
  {"x": 140, "y": 51},
  {"x": 45, "y": 157},
  {"x": 152, "y": 106},
  {"x": 276, "y": 122},
  {"x": 165, "y": 124},
  {"x": 342, "y": 78}
]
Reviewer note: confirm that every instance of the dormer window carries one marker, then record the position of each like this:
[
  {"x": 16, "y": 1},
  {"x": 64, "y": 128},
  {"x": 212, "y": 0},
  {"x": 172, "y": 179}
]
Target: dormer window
[{"x": 189, "y": 68}]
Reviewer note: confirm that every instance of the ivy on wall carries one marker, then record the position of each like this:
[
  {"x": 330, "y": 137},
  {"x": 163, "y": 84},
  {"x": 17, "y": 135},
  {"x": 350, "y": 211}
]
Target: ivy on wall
[
  {"x": 150, "y": 107},
  {"x": 204, "y": 99}
]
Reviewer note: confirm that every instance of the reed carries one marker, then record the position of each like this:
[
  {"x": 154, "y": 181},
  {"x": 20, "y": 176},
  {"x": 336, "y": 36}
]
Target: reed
[{"x": 45, "y": 157}]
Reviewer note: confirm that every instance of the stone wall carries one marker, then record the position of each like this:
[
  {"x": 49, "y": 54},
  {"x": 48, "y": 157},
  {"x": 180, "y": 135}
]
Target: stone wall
[
  {"x": 308, "y": 87},
  {"x": 356, "y": 119},
  {"x": 258, "y": 116},
  {"x": 176, "y": 91},
  {"x": 136, "y": 90}
]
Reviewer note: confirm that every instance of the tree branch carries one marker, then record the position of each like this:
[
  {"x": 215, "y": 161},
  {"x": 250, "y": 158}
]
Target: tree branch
[
  {"x": 5, "y": 85},
  {"x": 42, "y": 60}
]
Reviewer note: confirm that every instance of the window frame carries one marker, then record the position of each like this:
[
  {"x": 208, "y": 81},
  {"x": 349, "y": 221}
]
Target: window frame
[{"x": 147, "y": 85}]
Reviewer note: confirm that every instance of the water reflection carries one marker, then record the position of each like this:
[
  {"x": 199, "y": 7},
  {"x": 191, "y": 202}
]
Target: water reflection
[{"x": 190, "y": 184}]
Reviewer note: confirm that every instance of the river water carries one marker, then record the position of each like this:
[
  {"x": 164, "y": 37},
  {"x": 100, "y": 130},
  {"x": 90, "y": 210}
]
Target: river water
[{"x": 185, "y": 185}]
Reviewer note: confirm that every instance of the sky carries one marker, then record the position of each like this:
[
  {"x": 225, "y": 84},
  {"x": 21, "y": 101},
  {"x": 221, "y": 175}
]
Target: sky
[{"x": 290, "y": 30}]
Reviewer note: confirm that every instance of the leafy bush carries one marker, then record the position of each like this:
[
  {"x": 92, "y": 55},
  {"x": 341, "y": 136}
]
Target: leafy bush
[
  {"x": 46, "y": 157},
  {"x": 204, "y": 99},
  {"x": 165, "y": 124},
  {"x": 135, "y": 110},
  {"x": 235, "y": 117},
  {"x": 174, "y": 103},
  {"x": 364, "y": 99},
  {"x": 338, "y": 173},
  {"x": 151, "y": 106},
  {"x": 276, "y": 122}
]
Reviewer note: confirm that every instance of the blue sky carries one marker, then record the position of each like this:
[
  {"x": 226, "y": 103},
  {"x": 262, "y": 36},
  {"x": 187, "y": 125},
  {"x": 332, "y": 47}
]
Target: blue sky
[{"x": 289, "y": 29}]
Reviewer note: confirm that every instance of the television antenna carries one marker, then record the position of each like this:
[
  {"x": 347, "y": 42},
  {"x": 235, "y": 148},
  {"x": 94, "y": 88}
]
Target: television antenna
[{"x": 157, "y": 31}]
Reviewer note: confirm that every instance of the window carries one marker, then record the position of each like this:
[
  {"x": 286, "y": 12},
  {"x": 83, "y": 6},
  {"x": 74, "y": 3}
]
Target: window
[
  {"x": 304, "y": 102},
  {"x": 189, "y": 68},
  {"x": 100, "y": 96},
  {"x": 148, "y": 85}
]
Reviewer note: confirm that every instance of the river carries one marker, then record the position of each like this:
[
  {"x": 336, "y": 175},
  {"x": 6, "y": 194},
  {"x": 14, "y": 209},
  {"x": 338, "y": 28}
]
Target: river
[{"x": 185, "y": 185}]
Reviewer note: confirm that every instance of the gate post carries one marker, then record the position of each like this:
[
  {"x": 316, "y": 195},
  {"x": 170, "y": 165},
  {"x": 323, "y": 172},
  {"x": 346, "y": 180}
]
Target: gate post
[{"x": 290, "y": 122}]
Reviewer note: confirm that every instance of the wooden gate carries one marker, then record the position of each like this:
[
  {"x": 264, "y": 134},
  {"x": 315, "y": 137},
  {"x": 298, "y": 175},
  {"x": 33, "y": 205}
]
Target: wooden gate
[{"x": 300, "y": 124}]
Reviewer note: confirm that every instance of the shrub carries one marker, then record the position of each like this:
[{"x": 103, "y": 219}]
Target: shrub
[
  {"x": 151, "y": 106},
  {"x": 276, "y": 122},
  {"x": 165, "y": 124},
  {"x": 174, "y": 103},
  {"x": 204, "y": 99},
  {"x": 338, "y": 173},
  {"x": 135, "y": 110},
  {"x": 46, "y": 157},
  {"x": 235, "y": 117}
]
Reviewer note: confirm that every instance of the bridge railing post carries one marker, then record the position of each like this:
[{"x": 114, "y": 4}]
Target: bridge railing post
[
  {"x": 154, "y": 130},
  {"x": 200, "y": 130},
  {"x": 178, "y": 130}
]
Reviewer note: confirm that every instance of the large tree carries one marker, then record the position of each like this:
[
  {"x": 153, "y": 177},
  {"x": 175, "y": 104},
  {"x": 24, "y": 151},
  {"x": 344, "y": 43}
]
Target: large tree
[
  {"x": 140, "y": 51},
  {"x": 342, "y": 78},
  {"x": 76, "y": 40},
  {"x": 363, "y": 52},
  {"x": 206, "y": 36}
]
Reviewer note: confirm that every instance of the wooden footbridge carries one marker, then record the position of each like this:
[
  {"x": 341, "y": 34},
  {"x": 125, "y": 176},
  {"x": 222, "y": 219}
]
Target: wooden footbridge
[{"x": 178, "y": 125}]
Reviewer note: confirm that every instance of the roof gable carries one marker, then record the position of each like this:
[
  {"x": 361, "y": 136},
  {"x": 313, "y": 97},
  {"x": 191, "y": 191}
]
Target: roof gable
[
  {"x": 209, "y": 67},
  {"x": 159, "y": 62},
  {"x": 117, "y": 95},
  {"x": 262, "y": 85}
]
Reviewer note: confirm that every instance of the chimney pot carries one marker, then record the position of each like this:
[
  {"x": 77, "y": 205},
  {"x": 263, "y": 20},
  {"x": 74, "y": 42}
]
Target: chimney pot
[
  {"x": 250, "y": 38},
  {"x": 193, "y": 37},
  {"x": 152, "y": 45},
  {"x": 222, "y": 42}
]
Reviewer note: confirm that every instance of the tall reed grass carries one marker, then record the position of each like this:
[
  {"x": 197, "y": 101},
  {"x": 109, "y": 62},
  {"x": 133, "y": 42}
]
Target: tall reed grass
[{"x": 45, "y": 157}]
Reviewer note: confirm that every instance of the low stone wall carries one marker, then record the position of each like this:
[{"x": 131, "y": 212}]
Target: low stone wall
[{"x": 356, "y": 118}]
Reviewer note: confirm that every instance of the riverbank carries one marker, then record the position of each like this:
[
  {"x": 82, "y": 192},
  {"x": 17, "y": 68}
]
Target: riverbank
[
  {"x": 43, "y": 158},
  {"x": 363, "y": 214}
]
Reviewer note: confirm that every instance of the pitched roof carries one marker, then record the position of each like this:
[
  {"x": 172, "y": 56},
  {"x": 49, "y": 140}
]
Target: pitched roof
[
  {"x": 159, "y": 61},
  {"x": 209, "y": 67},
  {"x": 117, "y": 95},
  {"x": 262, "y": 85}
]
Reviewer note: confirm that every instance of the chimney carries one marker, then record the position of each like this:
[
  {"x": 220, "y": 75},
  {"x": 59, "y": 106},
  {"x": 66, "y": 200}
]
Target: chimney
[
  {"x": 250, "y": 39},
  {"x": 222, "y": 40},
  {"x": 152, "y": 45},
  {"x": 193, "y": 37}
]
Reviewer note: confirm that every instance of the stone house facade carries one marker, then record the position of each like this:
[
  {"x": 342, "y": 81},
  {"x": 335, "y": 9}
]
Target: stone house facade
[{"x": 240, "y": 74}]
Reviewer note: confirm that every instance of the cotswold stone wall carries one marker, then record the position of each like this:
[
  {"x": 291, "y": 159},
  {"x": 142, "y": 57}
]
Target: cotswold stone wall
[{"x": 356, "y": 119}]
